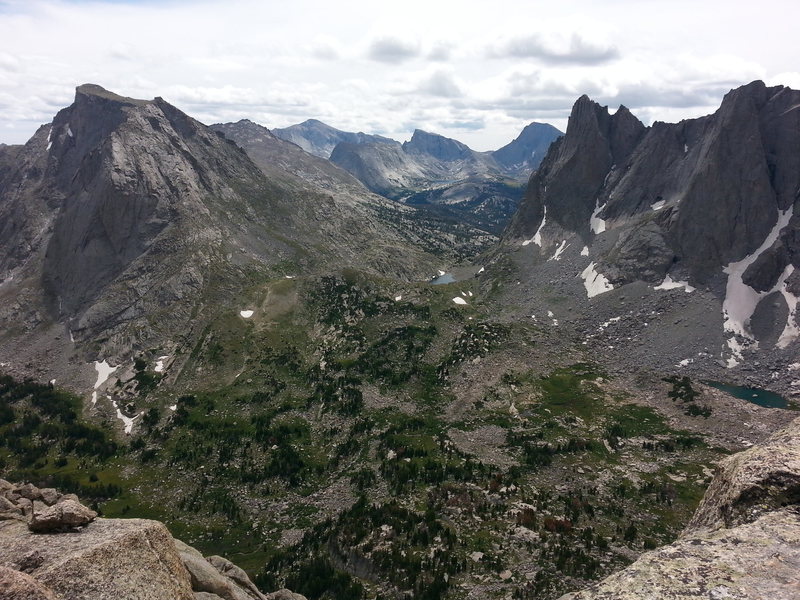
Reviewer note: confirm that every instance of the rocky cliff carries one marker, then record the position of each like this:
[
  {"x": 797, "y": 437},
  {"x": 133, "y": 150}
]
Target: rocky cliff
[
  {"x": 81, "y": 556},
  {"x": 743, "y": 541},
  {"x": 710, "y": 202}
]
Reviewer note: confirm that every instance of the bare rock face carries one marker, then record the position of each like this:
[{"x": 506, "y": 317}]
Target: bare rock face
[
  {"x": 749, "y": 484},
  {"x": 15, "y": 585},
  {"x": 62, "y": 516},
  {"x": 713, "y": 186},
  {"x": 110, "y": 559},
  {"x": 756, "y": 560},
  {"x": 742, "y": 543}
]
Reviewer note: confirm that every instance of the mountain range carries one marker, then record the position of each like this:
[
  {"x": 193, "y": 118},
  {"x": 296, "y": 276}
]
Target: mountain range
[
  {"x": 378, "y": 374},
  {"x": 483, "y": 188}
]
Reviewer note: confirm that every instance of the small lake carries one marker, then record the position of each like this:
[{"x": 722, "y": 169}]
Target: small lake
[
  {"x": 754, "y": 395},
  {"x": 442, "y": 279}
]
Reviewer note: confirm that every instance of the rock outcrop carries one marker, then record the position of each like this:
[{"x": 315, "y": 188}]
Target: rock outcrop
[
  {"x": 742, "y": 543},
  {"x": 104, "y": 559}
]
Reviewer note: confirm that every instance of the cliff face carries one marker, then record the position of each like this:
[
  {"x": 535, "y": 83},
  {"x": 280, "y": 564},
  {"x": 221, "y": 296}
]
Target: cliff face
[
  {"x": 711, "y": 187},
  {"x": 104, "y": 559},
  {"x": 743, "y": 541}
]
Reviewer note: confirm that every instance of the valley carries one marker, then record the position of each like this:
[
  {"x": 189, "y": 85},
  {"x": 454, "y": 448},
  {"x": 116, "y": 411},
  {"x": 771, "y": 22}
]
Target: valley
[{"x": 248, "y": 341}]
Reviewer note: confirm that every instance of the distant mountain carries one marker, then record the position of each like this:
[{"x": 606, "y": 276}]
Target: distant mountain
[
  {"x": 318, "y": 138},
  {"x": 279, "y": 158},
  {"x": 527, "y": 151}
]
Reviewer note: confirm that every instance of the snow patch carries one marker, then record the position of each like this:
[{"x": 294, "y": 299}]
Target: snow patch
[
  {"x": 459, "y": 300},
  {"x": 594, "y": 282},
  {"x": 440, "y": 273},
  {"x": 559, "y": 251},
  {"x": 52, "y": 382},
  {"x": 126, "y": 421},
  {"x": 398, "y": 298},
  {"x": 585, "y": 251},
  {"x": 537, "y": 237},
  {"x": 104, "y": 370},
  {"x": 246, "y": 314},
  {"x": 596, "y": 224},
  {"x": 69, "y": 131},
  {"x": 49, "y": 134},
  {"x": 658, "y": 205},
  {"x": 159, "y": 368},
  {"x": 685, "y": 362},
  {"x": 481, "y": 270},
  {"x": 289, "y": 276},
  {"x": 173, "y": 407},
  {"x": 668, "y": 284},
  {"x": 741, "y": 300}
]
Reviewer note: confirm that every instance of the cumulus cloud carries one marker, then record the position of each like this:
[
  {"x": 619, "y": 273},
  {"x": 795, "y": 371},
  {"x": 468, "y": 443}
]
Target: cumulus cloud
[
  {"x": 326, "y": 48},
  {"x": 441, "y": 84},
  {"x": 555, "y": 50},
  {"x": 392, "y": 50},
  {"x": 441, "y": 51}
]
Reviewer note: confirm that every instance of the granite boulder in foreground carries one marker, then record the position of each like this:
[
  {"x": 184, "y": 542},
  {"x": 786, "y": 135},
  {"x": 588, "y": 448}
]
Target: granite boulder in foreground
[{"x": 743, "y": 542}]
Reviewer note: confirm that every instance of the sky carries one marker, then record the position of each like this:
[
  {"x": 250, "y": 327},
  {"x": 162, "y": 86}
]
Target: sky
[{"x": 475, "y": 71}]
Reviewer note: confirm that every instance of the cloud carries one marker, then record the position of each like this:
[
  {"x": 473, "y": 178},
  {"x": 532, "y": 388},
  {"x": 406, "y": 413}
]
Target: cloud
[
  {"x": 441, "y": 51},
  {"x": 554, "y": 50},
  {"x": 9, "y": 62},
  {"x": 441, "y": 84},
  {"x": 392, "y": 50},
  {"x": 326, "y": 48}
]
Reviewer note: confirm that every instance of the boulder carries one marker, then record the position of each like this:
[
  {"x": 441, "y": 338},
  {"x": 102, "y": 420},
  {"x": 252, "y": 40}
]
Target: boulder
[
  {"x": 15, "y": 585},
  {"x": 64, "y": 515},
  {"x": 755, "y": 560},
  {"x": 109, "y": 559},
  {"x": 205, "y": 578},
  {"x": 236, "y": 574},
  {"x": 49, "y": 496},
  {"x": 751, "y": 483},
  {"x": 743, "y": 541}
]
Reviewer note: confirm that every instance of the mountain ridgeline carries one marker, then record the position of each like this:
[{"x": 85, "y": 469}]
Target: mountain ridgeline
[
  {"x": 440, "y": 173},
  {"x": 244, "y": 338}
]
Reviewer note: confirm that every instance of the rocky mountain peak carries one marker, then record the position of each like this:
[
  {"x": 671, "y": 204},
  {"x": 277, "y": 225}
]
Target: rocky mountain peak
[
  {"x": 89, "y": 91},
  {"x": 436, "y": 145},
  {"x": 526, "y": 152}
]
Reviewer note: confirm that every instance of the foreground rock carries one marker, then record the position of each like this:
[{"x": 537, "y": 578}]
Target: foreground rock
[
  {"x": 109, "y": 559},
  {"x": 743, "y": 541},
  {"x": 65, "y": 515},
  {"x": 52, "y": 547}
]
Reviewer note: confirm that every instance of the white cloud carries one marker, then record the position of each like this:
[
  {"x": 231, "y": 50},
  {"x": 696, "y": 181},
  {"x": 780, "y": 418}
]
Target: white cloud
[
  {"x": 390, "y": 67},
  {"x": 441, "y": 83},
  {"x": 556, "y": 49},
  {"x": 392, "y": 50}
]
